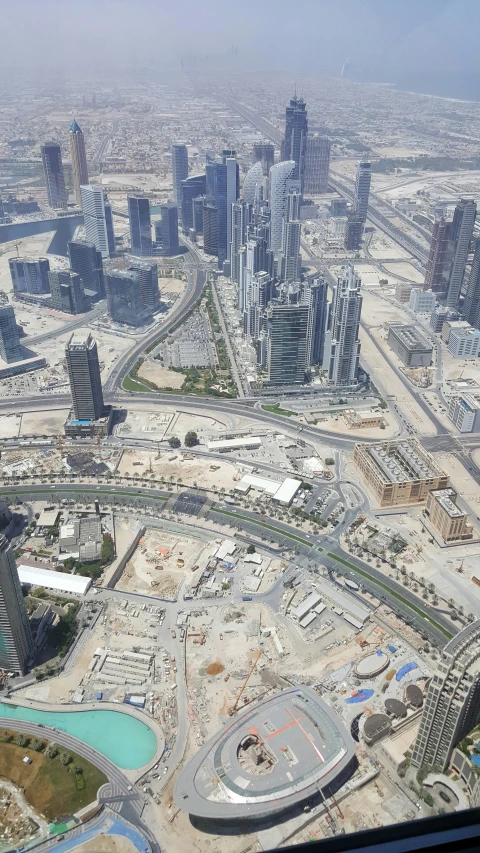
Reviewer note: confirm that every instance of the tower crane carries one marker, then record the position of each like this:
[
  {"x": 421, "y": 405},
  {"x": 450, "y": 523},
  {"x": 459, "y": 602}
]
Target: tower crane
[{"x": 237, "y": 700}]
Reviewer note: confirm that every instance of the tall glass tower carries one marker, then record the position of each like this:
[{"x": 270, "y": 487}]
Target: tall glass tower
[
  {"x": 16, "y": 642},
  {"x": 97, "y": 215},
  {"x": 294, "y": 144},
  {"x": 54, "y": 178},
  {"x": 140, "y": 225},
  {"x": 179, "y": 171},
  {"x": 79, "y": 160},
  {"x": 84, "y": 376}
]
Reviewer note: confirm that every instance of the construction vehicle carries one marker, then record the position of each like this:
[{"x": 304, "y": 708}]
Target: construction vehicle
[{"x": 237, "y": 700}]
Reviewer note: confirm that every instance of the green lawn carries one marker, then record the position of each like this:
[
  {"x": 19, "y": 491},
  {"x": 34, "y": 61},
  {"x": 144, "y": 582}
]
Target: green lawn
[
  {"x": 277, "y": 410},
  {"x": 51, "y": 788},
  {"x": 130, "y": 384},
  {"x": 278, "y": 530},
  {"x": 395, "y": 594}
]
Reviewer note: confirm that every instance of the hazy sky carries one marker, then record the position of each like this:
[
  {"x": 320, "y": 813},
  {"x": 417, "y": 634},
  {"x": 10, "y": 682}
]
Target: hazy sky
[{"x": 307, "y": 35}]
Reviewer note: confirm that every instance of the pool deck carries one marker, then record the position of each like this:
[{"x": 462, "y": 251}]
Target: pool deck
[{"x": 132, "y": 775}]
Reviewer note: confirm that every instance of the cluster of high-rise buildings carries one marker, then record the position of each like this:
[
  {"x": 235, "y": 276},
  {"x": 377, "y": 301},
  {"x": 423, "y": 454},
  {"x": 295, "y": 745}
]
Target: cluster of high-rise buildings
[{"x": 453, "y": 249}]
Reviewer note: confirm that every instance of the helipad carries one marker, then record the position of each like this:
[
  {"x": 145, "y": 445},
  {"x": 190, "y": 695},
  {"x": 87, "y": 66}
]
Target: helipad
[{"x": 271, "y": 756}]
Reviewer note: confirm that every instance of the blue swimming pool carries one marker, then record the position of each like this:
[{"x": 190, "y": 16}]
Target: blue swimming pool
[{"x": 126, "y": 741}]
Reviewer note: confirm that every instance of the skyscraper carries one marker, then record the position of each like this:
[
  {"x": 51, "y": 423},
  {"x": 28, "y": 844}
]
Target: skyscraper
[
  {"x": 281, "y": 180},
  {"x": 84, "y": 377},
  {"x": 471, "y": 306},
  {"x": 240, "y": 219},
  {"x": 197, "y": 207},
  {"x": 287, "y": 344},
  {"x": 253, "y": 179},
  {"x": 57, "y": 195},
  {"x": 354, "y": 231},
  {"x": 210, "y": 227},
  {"x": 435, "y": 276},
  {"x": 317, "y": 165},
  {"x": 190, "y": 189},
  {"x": 344, "y": 349},
  {"x": 166, "y": 230},
  {"x": 86, "y": 260},
  {"x": 179, "y": 171},
  {"x": 67, "y": 292},
  {"x": 79, "y": 160},
  {"x": 97, "y": 215},
  {"x": 2, "y": 211},
  {"x": 452, "y": 704},
  {"x": 29, "y": 275},
  {"x": 264, "y": 152},
  {"x": 16, "y": 643},
  {"x": 222, "y": 190},
  {"x": 140, "y": 225},
  {"x": 124, "y": 298},
  {"x": 294, "y": 144},
  {"x": 461, "y": 231},
  {"x": 362, "y": 189},
  {"x": 315, "y": 296},
  {"x": 289, "y": 262},
  {"x": 148, "y": 278},
  {"x": 10, "y": 348}
]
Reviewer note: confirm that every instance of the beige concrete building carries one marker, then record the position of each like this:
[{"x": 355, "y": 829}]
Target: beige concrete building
[
  {"x": 367, "y": 418},
  {"x": 399, "y": 473},
  {"x": 450, "y": 521},
  {"x": 403, "y": 291}
]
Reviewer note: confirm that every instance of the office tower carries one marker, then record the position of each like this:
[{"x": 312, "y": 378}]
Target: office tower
[
  {"x": 86, "y": 261},
  {"x": 471, "y": 305},
  {"x": 67, "y": 292},
  {"x": 294, "y": 144},
  {"x": 140, "y": 225},
  {"x": 281, "y": 181},
  {"x": 179, "y": 171},
  {"x": 240, "y": 219},
  {"x": 166, "y": 230},
  {"x": 317, "y": 165},
  {"x": 83, "y": 370},
  {"x": 2, "y": 211},
  {"x": 354, "y": 231},
  {"x": 287, "y": 344},
  {"x": 362, "y": 189},
  {"x": 264, "y": 152},
  {"x": 210, "y": 227},
  {"x": 452, "y": 704},
  {"x": 289, "y": 261},
  {"x": 197, "y": 207},
  {"x": 79, "y": 160},
  {"x": 461, "y": 231},
  {"x": 124, "y": 298},
  {"x": 16, "y": 643},
  {"x": 97, "y": 215},
  {"x": 29, "y": 276},
  {"x": 148, "y": 277},
  {"x": 10, "y": 348},
  {"x": 257, "y": 298},
  {"x": 252, "y": 180},
  {"x": 190, "y": 189},
  {"x": 344, "y": 352},
  {"x": 437, "y": 258},
  {"x": 57, "y": 195},
  {"x": 222, "y": 190},
  {"x": 315, "y": 296}
]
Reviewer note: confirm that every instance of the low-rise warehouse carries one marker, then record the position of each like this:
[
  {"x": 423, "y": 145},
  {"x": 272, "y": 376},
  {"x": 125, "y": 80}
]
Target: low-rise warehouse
[
  {"x": 57, "y": 581},
  {"x": 223, "y": 445},
  {"x": 410, "y": 345}
]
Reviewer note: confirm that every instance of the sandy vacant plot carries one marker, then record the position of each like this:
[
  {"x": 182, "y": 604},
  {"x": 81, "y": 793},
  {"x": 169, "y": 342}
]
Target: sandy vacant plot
[
  {"x": 460, "y": 479},
  {"x": 10, "y": 425},
  {"x": 43, "y": 423},
  {"x": 407, "y": 271},
  {"x": 204, "y": 472},
  {"x": 153, "y": 371},
  {"x": 107, "y": 844},
  {"x": 161, "y": 562},
  {"x": 337, "y": 424}
]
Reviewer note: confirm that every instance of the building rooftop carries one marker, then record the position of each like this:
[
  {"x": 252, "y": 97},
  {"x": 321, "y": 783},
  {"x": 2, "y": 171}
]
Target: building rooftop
[
  {"x": 410, "y": 337},
  {"x": 463, "y": 331},
  {"x": 403, "y": 461},
  {"x": 270, "y": 757},
  {"x": 445, "y": 497}
]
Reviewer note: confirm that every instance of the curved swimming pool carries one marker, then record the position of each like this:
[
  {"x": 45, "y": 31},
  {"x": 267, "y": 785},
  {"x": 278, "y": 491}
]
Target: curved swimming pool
[{"x": 126, "y": 741}]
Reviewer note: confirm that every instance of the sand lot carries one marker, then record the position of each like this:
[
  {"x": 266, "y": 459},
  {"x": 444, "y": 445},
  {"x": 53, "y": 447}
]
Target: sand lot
[
  {"x": 190, "y": 472},
  {"x": 43, "y": 423},
  {"x": 153, "y": 371},
  {"x": 161, "y": 562},
  {"x": 407, "y": 271},
  {"x": 338, "y": 425}
]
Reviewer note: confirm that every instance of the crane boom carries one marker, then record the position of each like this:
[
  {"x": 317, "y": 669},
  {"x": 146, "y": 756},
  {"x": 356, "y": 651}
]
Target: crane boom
[{"x": 232, "y": 710}]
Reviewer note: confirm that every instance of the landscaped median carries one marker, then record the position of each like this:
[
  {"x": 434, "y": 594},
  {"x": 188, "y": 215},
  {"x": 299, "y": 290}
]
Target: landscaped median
[
  {"x": 397, "y": 595},
  {"x": 264, "y": 524}
]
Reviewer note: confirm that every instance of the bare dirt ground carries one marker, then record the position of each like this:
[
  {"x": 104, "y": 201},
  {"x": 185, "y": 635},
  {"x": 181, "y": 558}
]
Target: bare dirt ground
[
  {"x": 191, "y": 472},
  {"x": 337, "y": 424},
  {"x": 107, "y": 844},
  {"x": 153, "y": 371}
]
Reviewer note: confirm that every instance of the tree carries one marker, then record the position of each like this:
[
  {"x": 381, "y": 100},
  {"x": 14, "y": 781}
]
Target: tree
[
  {"x": 174, "y": 441},
  {"x": 251, "y": 549},
  {"x": 7, "y": 737},
  {"x": 191, "y": 439},
  {"x": 66, "y": 758},
  {"x": 329, "y": 461},
  {"x": 37, "y": 744},
  {"x": 22, "y": 740}
]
